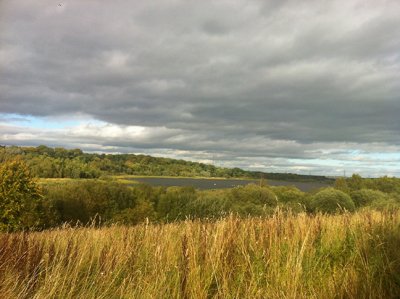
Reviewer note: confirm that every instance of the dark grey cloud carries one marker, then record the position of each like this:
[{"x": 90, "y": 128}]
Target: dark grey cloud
[{"x": 244, "y": 78}]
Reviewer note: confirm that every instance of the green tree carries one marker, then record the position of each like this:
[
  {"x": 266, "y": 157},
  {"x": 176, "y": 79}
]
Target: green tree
[
  {"x": 341, "y": 184},
  {"x": 355, "y": 182},
  {"x": 20, "y": 198}
]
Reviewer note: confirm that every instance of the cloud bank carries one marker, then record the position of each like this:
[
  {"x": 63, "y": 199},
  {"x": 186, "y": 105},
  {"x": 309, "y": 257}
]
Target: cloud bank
[{"x": 302, "y": 86}]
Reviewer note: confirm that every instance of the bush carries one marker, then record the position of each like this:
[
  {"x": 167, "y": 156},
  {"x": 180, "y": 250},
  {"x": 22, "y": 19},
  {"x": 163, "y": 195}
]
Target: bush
[
  {"x": 365, "y": 197},
  {"x": 384, "y": 184},
  {"x": 82, "y": 200},
  {"x": 255, "y": 194},
  {"x": 247, "y": 209},
  {"x": 291, "y": 198},
  {"x": 20, "y": 197},
  {"x": 331, "y": 201},
  {"x": 291, "y": 195},
  {"x": 143, "y": 210},
  {"x": 385, "y": 204},
  {"x": 173, "y": 205},
  {"x": 210, "y": 204}
]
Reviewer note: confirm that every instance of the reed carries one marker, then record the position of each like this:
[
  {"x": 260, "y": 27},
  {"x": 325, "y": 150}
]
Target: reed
[{"x": 283, "y": 256}]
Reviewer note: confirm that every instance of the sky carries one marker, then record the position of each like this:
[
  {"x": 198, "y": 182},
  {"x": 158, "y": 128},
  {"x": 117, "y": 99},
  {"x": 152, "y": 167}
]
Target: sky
[{"x": 308, "y": 87}]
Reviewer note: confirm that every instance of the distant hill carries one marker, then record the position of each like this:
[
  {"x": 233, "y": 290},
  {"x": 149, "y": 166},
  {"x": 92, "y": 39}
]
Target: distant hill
[{"x": 47, "y": 162}]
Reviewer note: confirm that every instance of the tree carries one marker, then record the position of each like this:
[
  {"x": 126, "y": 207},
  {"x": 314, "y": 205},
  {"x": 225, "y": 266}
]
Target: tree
[
  {"x": 355, "y": 182},
  {"x": 20, "y": 197},
  {"x": 341, "y": 184}
]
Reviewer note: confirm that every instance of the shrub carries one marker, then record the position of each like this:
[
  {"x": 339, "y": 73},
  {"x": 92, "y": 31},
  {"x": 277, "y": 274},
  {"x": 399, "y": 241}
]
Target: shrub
[
  {"x": 291, "y": 194},
  {"x": 365, "y": 197},
  {"x": 385, "y": 184},
  {"x": 247, "y": 209},
  {"x": 143, "y": 210},
  {"x": 82, "y": 200},
  {"x": 331, "y": 201},
  {"x": 262, "y": 196},
  {"x": 20, "y": 198},
  {"x": 210, "y": 204},
  {"x": 173, "y": 205},
  {"x": 291, "y": 198},
  {"x": 385, "y": 204}
]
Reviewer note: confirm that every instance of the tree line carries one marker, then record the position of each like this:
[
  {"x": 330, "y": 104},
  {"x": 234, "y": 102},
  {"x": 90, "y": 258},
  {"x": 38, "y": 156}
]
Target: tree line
[{"x": 47, "y": 162}]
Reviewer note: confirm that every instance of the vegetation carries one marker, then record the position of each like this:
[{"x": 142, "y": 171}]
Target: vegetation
[
  {"x": 331, "y": 201},
  {"x": 282, "y": 256},
  {"x": 27, "y": 205},
  {"x": 110, "y": 202},
  {"x": 46, "y": 162},
  {"x": 20, "y": 198},
  {"x": 356, "y": 182},
  {"x": 97, "y": 238},
  {"x": 364, "y": 197}
]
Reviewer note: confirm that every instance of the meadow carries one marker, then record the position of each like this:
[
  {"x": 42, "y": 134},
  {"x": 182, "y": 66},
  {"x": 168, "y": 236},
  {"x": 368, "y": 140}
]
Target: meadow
[{"x": 280, "y": 256}]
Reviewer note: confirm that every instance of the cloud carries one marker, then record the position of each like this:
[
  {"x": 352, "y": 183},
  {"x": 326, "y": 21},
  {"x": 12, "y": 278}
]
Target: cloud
[{"x": 262, "y": 80}]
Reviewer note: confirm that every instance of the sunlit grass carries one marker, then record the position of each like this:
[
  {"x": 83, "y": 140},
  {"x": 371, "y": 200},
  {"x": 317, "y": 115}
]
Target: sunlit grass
[{"x": 284, "y": 256}]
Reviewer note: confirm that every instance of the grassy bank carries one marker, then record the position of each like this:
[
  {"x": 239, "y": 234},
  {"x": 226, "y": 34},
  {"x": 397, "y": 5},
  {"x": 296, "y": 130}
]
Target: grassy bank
[{"x": 346, "y": 256}]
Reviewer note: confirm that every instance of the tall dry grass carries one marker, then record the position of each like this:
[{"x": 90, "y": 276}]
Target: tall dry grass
[{"x": 285, "y": 256}]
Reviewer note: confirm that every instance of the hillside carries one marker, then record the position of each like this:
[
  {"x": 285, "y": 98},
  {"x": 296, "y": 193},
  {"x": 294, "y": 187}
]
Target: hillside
[{"x": 47, "y": 162}]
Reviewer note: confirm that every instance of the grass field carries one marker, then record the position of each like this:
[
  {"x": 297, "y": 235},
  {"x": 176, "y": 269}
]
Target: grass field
[{"x": 284, "y": 256}]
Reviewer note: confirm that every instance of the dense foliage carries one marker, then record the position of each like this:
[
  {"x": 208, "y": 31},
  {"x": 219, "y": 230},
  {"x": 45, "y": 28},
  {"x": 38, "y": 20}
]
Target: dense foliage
[
  {"x": 26, "y": 205},
  {"x": 331, "y": 201},
  {"x": 388, "y": 185},
  {"x": 46, "y": 162},
  {"x": 21, "y": 203},
  {"x": 86, "y": 200},
  {"x": 103, "y": 202},
  {"x": 364, "y": 197}
]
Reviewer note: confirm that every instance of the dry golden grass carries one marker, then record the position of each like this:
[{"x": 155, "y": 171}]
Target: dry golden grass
[{"x": 285, "y": 256}]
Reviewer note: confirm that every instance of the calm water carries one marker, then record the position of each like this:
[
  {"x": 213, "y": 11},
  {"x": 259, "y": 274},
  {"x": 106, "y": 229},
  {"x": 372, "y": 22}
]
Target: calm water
[{"x": 219, "y": 184}]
